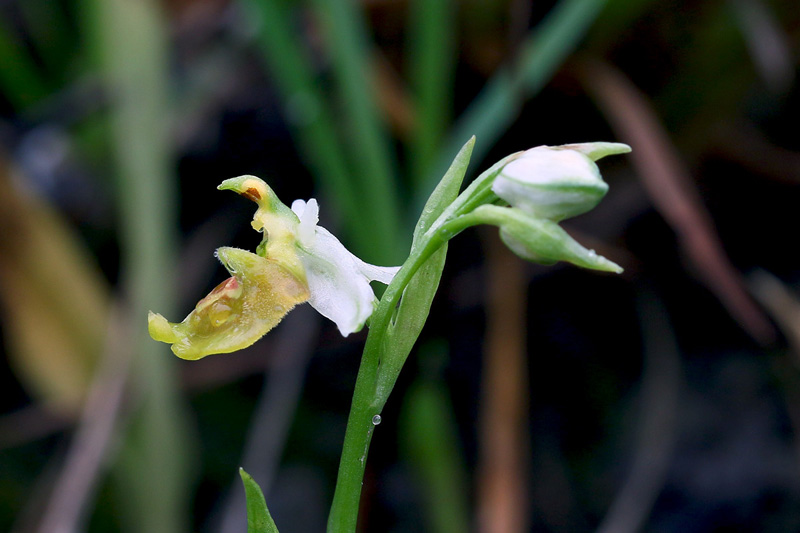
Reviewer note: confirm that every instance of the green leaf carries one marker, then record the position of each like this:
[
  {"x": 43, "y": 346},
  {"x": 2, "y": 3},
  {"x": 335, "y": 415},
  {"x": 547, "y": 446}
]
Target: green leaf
[
  {"x": 409, "y": 321},
  {"x": 418, "y": 296},
  {"x": 258, "y": 518},
  {"x": 446, "y": 191}
]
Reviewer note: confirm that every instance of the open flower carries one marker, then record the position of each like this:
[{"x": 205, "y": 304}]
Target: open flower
[{"x": 296, "y": 261}]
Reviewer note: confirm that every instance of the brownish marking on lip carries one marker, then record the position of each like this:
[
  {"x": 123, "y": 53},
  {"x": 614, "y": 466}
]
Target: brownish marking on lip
[{"x": 252, "y": 194}]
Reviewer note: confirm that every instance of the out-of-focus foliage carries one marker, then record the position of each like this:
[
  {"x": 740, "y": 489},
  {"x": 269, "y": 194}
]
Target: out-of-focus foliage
[
  {"x": 117, "y": 123},
  {"x": 54, "y": 317}
]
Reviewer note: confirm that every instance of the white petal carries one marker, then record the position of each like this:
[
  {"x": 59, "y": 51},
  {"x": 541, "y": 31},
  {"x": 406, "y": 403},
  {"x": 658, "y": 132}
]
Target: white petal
[
  {"x": 308, "y": 213},
  {"x": 339, "y": 281},
  {"x": 546, "y": 166},
  {"x": 376, "y": 273},
  {"x": 299, "y": 206}
]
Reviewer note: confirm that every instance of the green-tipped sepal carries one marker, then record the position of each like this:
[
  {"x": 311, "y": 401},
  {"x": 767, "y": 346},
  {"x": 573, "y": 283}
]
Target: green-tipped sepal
[{"x": 540, "y": 240}]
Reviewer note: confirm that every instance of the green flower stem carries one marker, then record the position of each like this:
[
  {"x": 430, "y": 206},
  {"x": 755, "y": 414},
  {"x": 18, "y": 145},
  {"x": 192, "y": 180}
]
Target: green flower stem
[
  {"x": 381, "y": 362},
  {"x": 366, "y": 401},
  {"x": 376, "y": 378}
]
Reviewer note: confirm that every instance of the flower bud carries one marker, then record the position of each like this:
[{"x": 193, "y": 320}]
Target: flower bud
[
  {"x": 556, "y": 182},
  {"x": 540, "y": 240}
]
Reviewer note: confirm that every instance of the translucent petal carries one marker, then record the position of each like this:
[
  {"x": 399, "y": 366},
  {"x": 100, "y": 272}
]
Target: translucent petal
[
  {"x": 308, "y": 213},
  {"x": 337, "y": 280}
]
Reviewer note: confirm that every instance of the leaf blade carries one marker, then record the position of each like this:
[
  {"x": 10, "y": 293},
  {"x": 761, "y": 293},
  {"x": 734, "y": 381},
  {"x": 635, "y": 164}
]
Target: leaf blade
[
  {"x": 258, "y": 518},
  {"x": 412, "y": 312}
]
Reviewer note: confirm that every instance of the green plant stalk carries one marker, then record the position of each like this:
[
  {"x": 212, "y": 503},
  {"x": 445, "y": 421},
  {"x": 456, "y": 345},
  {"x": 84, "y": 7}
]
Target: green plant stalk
[
  {"x": 371, "y": 392},
  {"x": 366, "y": 401},
  {"x": 377, "y": 375}
]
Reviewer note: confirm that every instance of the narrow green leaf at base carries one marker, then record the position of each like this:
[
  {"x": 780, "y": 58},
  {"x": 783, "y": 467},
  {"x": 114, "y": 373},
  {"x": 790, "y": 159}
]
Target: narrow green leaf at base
[{"x": 258, "y": 518}]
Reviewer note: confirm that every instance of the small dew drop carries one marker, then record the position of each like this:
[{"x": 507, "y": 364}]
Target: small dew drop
[{"x": 376, "y": 420}]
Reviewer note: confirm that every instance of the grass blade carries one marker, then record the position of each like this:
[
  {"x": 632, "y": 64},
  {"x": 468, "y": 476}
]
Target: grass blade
[
  {"x": 497, "y": 105},
  {"x": 20, "y": 80},
  {"x": 310, "y": 116},
  {"x": 131, "y": 44},
  {"x": 49, "y": 28},
  {"x": 369, "y": 142},
  {"x": 432, "y": 58}
]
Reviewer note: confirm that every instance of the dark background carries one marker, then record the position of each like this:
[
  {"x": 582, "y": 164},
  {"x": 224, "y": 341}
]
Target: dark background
[{"x": 664, "y": 399}]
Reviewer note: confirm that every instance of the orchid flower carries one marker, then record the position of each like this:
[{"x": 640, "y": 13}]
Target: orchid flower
[{"x": 297, "y": 261}]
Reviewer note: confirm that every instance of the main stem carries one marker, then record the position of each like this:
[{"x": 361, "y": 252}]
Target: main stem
[
  {"x": 347, "y": 496},
  {"x": 366, "y": 401}
]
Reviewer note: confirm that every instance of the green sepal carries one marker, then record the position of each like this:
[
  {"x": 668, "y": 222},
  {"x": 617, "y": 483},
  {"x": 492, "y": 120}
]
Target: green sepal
[
  {"x": 258, "y": 518},
  {"x": 540, "y": 240},
  {"x": 597, "y": 150}
]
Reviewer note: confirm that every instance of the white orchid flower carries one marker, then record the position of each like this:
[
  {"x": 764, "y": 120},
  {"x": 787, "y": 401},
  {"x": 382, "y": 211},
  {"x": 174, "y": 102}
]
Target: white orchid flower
[{"x": 297, "y": 261}]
